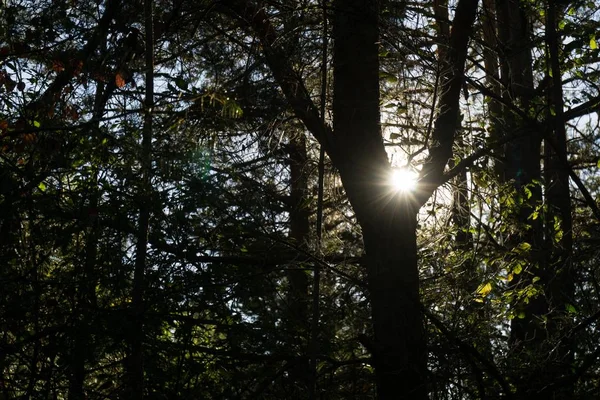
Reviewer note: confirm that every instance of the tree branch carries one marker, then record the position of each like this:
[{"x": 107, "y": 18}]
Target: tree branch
[
  {"x": 451, "y": 83},
  {"x": 257, "y": 19}
]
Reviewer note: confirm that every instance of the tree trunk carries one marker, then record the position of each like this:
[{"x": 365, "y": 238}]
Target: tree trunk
[
  {"x": 532, "y": 339},
  {"x": 136, "y": 362},
  {"x": 388, "y": 219},
  {"x": 492, "y": 67},
  {"x": 297, "y": 298},
  {"x": 400, "y": 348},
  {"x": 86, "y": 304},
  {"x": 522, "y": 160},
  {"x": 388, "y": 222},
  {"x": 559, "y": 275}
]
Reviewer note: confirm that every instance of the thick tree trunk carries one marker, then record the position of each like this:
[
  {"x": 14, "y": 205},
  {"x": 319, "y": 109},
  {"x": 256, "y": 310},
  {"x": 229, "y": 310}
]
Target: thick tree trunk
[
  {"x": 388, "y": 222},
  {"x": 356, "y": 149},
  {"x": 400, "y": 348}
]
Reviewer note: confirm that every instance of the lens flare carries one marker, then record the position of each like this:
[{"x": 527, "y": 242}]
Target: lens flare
[{"x": 403, "y": 180}]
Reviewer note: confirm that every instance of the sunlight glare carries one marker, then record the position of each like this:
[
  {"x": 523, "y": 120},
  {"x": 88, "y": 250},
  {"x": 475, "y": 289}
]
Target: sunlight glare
[{"x": 403, "y": 180}]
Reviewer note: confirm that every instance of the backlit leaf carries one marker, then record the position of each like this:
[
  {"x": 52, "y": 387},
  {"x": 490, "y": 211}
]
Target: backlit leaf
[
  {"x": 484, "y": 289},
  {"x": 119, "y": 80}
]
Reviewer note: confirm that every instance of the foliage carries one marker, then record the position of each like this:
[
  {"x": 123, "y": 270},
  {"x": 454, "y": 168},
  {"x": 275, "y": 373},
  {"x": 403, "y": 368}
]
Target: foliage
[{"x": 222, "y": 318}]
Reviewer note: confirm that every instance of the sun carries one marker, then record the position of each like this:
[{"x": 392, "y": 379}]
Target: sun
[{"x": 403, "y": 180}]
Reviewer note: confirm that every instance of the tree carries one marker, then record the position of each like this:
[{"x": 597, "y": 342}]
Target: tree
[
  {"x": 161, "y": 214},
  {"x": 388, "y": 221}
]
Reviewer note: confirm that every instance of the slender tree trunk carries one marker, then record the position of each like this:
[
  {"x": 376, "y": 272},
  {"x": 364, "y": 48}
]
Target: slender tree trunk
[
  {"x": 316, "y": 294},
  {"x": 532, "y": 339},
  {"x": 522, "y": 162},
  {"x": 559, "y": 276},
  {"x": 87, "y": 301},
  {"x": 86, "y": 304},
  {"x": 492, "y": 67},
  {"x": 460, "y": 205},
  {"x": 298, "y": 299},
  {"x": 136, "y": 364}
]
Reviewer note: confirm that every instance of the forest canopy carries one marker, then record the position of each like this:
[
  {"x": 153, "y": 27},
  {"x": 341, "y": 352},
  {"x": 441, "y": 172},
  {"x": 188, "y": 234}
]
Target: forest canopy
[{"x": 332, "y": 199}]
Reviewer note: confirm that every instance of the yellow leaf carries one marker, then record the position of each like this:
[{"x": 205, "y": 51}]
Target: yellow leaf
[
  {"x": 484, "y": 289},
  {"x": 593, "y": 44}
]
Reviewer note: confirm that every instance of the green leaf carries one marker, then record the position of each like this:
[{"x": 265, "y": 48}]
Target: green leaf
[
  {"x": 593, "y": 44},
  {"x": 37, "y": 124},
  {"x": 524, "y": 246},
  {"x": 570, "y": 308},
  {"x": 518, "y": 269},
  {"x": 42, "y": 186}
]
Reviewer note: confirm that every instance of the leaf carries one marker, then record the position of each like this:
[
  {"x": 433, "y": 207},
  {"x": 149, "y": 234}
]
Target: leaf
[
  {"x": 120, "y": 80},
  {"x": 394, "y": 136},
  {"x": 524, "y": 246},
  {"x": 181, "y": 83},
  {"x": 593, "y": 44},
  {"x": 57, "y": 66},
  {"x": 484, "y": 289},
  {"x": 518, "y": 269},
  {"x": 386, "y": 76},
  {"x": 570, "y": 308},
  {"x": 29, "y": 138},
  {"x": 42, "y": 186}
]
